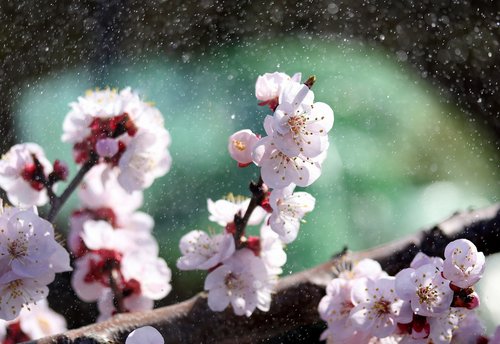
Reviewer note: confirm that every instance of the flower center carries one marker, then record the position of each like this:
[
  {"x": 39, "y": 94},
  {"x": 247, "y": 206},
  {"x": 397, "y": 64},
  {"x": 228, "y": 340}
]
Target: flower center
[
  {"x": 427, "y": 294},
  {"x": 381, "y": 307},
  {"x": 17, "y": 248},
  {"x": 239, "y": 145}
]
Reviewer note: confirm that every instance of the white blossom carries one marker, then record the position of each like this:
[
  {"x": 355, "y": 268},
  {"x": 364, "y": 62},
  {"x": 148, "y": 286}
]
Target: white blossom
[
  {"x": 145, "y": 159},
  {"x": 200, "y": 251},
  {"x": 463, "y": 264},
  {"x": 270, "y": 85},
  {"x": 240, "y": 146},
  {"x": 288, "y": 210},
  {"x": 27, "y": 245},
  {"x": 39, "y": 320},
  {"x": 377, "y": 308},
  {"x": 145, "y": 335},
  {"x": 223, "y": 211},
  {"x": 279, "y": 170},
  {"x": 301, "y": 127},
  {"x": 242, "y": 281},
  {"x": 17, "y": 175},
  {"x": 271, "y": 250},
  {"x": 428, "y": 292}
]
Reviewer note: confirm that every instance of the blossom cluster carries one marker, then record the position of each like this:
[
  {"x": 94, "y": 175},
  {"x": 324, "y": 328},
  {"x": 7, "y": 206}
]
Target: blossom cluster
[
  {"x": 426, "y": 303},
  {"x": 122, "y": 131},
  {"x": 242, "y": 272},
  {"x": 34, "y": 323},
  {"x": 26, "y": 175},
  {"x": 292, "y": 152},
  {"x": 117, "y": 261},
  {"x": 29, "y": 259},
  {"x": 243, "y": 269}
]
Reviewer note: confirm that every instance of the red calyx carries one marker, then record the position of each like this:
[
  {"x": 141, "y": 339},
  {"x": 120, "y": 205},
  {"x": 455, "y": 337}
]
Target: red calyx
[
  {"x": 253, "y": 243},
  {"x": 15, "y": 334},
  {"x": 33, "y": 174},
  {"x": 99, "y": 269},
  {"x": 101, "y": 128}
]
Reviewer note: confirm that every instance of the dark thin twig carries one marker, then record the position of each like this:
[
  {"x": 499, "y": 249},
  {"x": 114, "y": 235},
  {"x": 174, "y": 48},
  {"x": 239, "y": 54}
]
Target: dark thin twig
[
  {"x": 57, "y": 202},
  {"x": 258, "y": 191}
]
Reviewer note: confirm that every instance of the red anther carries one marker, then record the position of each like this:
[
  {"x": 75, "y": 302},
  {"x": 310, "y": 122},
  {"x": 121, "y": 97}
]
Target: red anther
[{"x": 244, "y": 165}]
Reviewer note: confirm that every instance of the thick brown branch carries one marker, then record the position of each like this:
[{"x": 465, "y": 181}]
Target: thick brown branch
[{"x": 297, "y": 297}]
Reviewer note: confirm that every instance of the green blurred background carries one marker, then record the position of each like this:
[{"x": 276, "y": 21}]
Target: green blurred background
[{"x": 399, "y": 159}]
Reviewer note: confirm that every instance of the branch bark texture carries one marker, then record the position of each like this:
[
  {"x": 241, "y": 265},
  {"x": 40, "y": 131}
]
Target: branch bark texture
[{"x": 295, "y": 303}]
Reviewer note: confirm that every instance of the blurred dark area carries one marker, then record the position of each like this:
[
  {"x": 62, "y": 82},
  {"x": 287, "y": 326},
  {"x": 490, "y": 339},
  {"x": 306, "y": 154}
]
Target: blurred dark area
[{"x": 454, "y": 44}]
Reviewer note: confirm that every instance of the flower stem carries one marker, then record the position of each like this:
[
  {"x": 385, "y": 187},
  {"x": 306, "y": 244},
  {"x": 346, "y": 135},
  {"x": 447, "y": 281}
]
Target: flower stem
[
  {"x": 259, "y": 191},
  {"x": 56, "y": 202},
  {"x": 114, "y": 278}
]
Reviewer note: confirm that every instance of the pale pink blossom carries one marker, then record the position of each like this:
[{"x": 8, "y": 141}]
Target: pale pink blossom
[
  {"x": 200, "y": 251},
  {"x": 365, "y": 268},
  {"x": 279, "y": 170},
  {"x": 18, "y": 175},
  {"x": 145, "y": 159},
  {"x": 423, "y": 259},
  {"x": 301, "y": 127},
  {"x": 443, "y": 326},
  {"x": 39, "y": 320},
  {"x": 18, "y": 292},
  {"x": 240, "y": 146},
  {"x": 28, "y": 246},
  {"x": 223, "y": 211},
  {"x": 150, "y": 271},
  {"x": 428, "y": 292},
  {"x": 271, "y": 250},
  {"x": 123, "y": 131},
  {"x": 241, "y": 281},
  {"x": 335, "y": 308},
  {"x": 463, "y": 264},
  {"x": 377, "y": 308},
  {"x": 270, "y": 85},
  {"x": 470, "y": 329},
  {"x": 145, "y": 335},
  {"x": 134, "y": 302},
  {"x": 495, "y": 339},
  {"x": 288, "y": 210}
]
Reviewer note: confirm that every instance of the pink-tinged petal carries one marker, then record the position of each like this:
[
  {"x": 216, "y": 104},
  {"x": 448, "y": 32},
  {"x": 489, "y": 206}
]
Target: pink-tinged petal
[
  {"x": 218, "y": 300},
  {"x": 145, "y": 335}
]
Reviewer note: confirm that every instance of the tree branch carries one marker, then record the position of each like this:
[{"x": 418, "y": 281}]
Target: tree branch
[{"x": 296, "y": 300}]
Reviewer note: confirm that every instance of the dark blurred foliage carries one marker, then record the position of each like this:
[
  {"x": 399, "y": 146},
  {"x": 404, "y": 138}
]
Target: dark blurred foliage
[{"x": 456, "y": 43}]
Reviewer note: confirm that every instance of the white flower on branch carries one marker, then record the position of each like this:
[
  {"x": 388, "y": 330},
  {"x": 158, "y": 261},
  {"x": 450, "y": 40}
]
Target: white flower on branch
[
  {"x": 241, "y": 280},
  {"x": 223, "y": 211},
  {"x": 279, "y": 170},
  {"x": 19, "y": 175},
  {"x": 301, "y": 127},
  {"x": 427, "y": 291},
  {"x": 270, "y": 85},
  {"x": 29, "y": 259},
  {"x": 240, "y": 146},
  {"x": 123, "y": 131},
  {"x": 200, "y": 251},
  {"x": 463, "y": 264},
  {"x": 288, "y": 210},
  {"x": 377, "y": 308}
]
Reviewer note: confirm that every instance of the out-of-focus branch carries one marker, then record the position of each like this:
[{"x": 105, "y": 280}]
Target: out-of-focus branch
[{"x": 297, "y": 297}]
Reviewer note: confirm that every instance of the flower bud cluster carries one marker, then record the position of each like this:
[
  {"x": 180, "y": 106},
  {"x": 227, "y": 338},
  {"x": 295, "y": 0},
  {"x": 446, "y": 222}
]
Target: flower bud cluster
[
  {"x": 29, "y": 259},
  {"x": 34, "y": 323},
  {"x": 426, "y": 303},
  {"x": 242, "y": 270},
  {"x": 119, "y": 129},
  {"x": 117, "y": 255}
]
